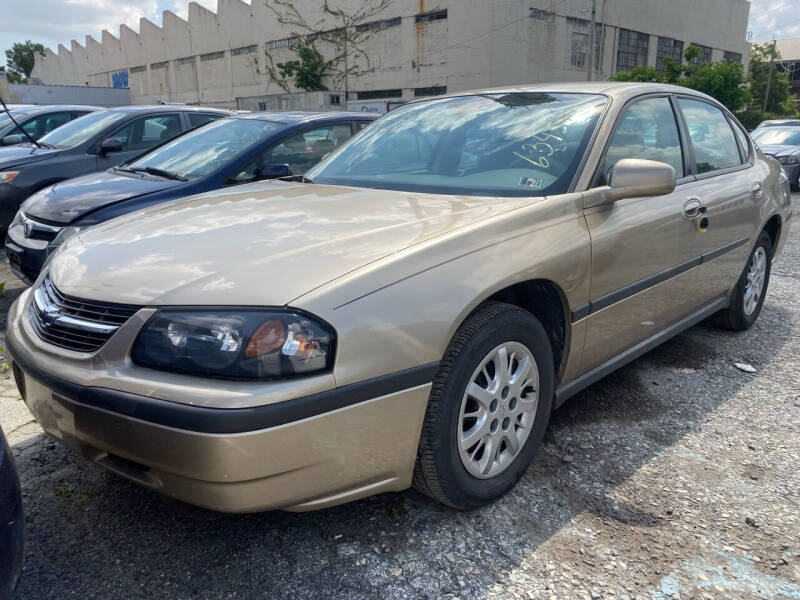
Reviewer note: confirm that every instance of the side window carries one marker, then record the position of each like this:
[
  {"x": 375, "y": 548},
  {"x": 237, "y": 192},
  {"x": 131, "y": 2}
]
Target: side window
[
  {"x": 303, "y": 150},
  {"x": 744, "y": 141},
  {"x": 146, "y": 132},
  {"x": 711, "y": 135},
  {"x": 361, "y": 125},
  {"x": 247, "y": 173},
  {"x": 54, "y": 121},
  {"x": 198, "y": 119},
  {"x": 647, "y": 129}
]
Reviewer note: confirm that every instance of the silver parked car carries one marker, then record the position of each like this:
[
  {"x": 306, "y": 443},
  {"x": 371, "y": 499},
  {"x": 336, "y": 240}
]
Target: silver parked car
[{"x": 411, "y": 311}]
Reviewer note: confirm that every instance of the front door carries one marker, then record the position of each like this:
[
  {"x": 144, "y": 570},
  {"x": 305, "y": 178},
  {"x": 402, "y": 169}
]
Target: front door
[{"x": 644, "y": 257}]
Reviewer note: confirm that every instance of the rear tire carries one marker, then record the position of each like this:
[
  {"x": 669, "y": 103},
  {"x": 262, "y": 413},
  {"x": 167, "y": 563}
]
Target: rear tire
[
  {"x": 748, "y": 295},
  {"x": 506, "y": 418}
]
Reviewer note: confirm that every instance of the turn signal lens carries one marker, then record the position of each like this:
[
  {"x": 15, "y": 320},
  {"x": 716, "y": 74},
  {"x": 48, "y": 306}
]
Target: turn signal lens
[
  {"x": 267, "y": 338},
  {"x": 8, "y": 176}
]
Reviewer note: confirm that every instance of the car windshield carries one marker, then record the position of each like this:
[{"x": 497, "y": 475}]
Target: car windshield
[
  {"x": 82, "y": 129},
  {"x": 5, "y": 121},
  {"x": 790, "y": 136},
  {"x": 510, "y": 144},
  {"x": 203, "y": 150}
]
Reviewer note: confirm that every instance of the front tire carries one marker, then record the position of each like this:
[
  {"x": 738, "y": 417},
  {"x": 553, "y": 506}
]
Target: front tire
[
  {"x": 748, "y": 295},
  {"x": 488, "y": 410}
]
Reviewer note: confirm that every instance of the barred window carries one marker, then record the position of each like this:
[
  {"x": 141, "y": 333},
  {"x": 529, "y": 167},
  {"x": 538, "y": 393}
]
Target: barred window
[
  {"x": 140, "y": 69},
  {"x": 379, "y": 94},
  {"x": 632, "y": 50},
  {"x": 705, "y": 55},
  {"x": 580, "y": 45},
  {"x": 542, "y": 15},
  {"x": 732, "y": 57},
  {"x": 576, "y": 22},
  {"x": 244, "y": 50},
  {"x": 436, "y": 90},
  {"x": 284, "y": 43},
  {"x": 212, "y": 56},
  {"x": 668, "y": 47},
  {"x": 436, "y": 15},
  {"x": 379, "y": 25},
  {"x": 185, "y": 60},
  {"x": 159, "y": 65}
]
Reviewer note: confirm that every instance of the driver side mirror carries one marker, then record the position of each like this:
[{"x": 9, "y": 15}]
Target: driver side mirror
[
  {"x": 13, "y": 139},
  {"x": 633, "y": 178},
  {"x": 274, "y": 171},
  {"x": 109, "y": 146}
]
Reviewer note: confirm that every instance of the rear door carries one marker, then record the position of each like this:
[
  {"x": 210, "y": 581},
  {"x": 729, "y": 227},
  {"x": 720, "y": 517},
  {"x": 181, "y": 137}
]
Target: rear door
[
  {"x": 303, "y": 150},
  {"x": 727, "y": 193},
  {"x": 643, "y": 254}
]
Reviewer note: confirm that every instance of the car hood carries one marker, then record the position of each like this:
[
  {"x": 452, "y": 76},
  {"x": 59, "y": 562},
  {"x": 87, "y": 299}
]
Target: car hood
[
  {"x": 69, "y": 200},
  {"x": 261, "y": 244},
  {"x": 779, "y": 149},
  {"x": 12, "y": 156}
]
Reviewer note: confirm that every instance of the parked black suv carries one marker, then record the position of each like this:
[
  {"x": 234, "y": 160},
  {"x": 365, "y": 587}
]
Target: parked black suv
[{"x": 90, "y": 143}]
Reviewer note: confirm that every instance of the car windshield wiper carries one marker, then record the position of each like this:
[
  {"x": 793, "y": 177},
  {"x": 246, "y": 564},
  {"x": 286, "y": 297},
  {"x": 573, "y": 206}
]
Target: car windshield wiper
[
  {"x": 297, "y": 178},
  {"x": 46, "y": 145},
  {"x": 160, "y": 173}
]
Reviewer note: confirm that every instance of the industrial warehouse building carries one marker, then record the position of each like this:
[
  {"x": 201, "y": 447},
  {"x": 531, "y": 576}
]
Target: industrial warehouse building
[{"x": 415, "y": 48}]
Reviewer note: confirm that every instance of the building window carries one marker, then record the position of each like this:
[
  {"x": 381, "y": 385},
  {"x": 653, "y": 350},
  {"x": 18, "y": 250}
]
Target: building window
[
  {"x": 667, "y": 47},
  {"x": 262, "y": 106},
  {"x": 284, "y": 43},
  {"x": 632, "y": 50},
  {"x": 542, "y": 15},
  {"x": 141, "y": 69},
  {"x": 705, "y": 55},
  {"x": 244, "y": 50},
  {"x": 335, "y": 99},
  {"x": 437, "y": 15},
  {"x": 212, "y": 56},
  {"x": 159, "y": 65},
  {"x": 436, "y": 90},
  {"x": 379, "y": 94},
  {"x": 580, "y": 44},
  {"x": 184, "y": 61},
  {"x": 378, "y": 25},
  {"x": 732, "y": 57}
]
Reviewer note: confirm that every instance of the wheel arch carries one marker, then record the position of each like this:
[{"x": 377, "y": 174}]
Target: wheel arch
[
  {"x": 546, "y": 301},
  {"x": 773, "y": 227}
]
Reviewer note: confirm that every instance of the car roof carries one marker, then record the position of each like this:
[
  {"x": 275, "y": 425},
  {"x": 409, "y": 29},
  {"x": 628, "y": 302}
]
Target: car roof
[
  {"x": 46, "y": 108},
  {"x": 138, "y": 108},
  {"x": 780, "y": 122},
  {"x": 296, "y": 116},
  {"x": 620, "y": 90}
]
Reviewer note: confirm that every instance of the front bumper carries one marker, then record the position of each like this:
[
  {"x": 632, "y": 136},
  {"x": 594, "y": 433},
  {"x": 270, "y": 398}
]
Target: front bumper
[
  {"x": 300, "y": 454},
  {"x": 793, "y": 173},
  {"x": 26, "y": 256},
  {"x": 12, "y": 523}
]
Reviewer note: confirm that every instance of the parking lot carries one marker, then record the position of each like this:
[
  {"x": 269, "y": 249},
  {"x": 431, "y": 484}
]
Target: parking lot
[{"x": 676, "y": 476}]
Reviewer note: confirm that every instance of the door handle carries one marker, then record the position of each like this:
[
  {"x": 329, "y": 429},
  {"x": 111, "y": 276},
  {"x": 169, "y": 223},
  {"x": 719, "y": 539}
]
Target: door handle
[
  {"x": 757, "y": 189},
  {"x": 693, "y": 208}
]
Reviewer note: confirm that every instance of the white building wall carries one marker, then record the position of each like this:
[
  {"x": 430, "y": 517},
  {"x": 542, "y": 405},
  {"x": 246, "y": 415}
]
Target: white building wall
[{"x": 481, "y": 43}]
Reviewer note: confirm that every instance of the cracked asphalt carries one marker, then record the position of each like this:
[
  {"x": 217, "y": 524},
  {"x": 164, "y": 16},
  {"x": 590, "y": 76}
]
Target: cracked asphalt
[{"x": 676, "y": 476}]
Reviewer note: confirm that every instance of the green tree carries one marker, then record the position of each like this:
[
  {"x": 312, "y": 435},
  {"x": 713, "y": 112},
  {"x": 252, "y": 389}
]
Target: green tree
[
  {"x": 20, "y": 59},
  {"x": 723, "y": 81},
  {"x": 780, "y": 101},
  {"x": 308, "y": 71}
]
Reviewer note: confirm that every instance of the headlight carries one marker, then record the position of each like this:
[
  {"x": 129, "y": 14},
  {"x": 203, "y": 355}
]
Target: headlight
[
  {"x": 788, "y": 160},
  {"x": 8, "y": 176},
  {"x": 235, "y": 344}
]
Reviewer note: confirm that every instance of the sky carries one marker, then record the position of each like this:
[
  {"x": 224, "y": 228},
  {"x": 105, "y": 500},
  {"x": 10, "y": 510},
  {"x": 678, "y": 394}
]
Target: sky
[{"x": 58, "y": 21}]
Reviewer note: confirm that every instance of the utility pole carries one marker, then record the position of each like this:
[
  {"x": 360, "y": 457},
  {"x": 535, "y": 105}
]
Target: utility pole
[
  {"x": 590, "y": 53},
  {"x": 769, "y": 77},
  {"x": 345, "y": 65}
]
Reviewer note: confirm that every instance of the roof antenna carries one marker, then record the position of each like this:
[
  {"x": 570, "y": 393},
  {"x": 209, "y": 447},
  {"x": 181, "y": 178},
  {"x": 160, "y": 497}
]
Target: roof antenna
[{"x": 3, "y": 94}]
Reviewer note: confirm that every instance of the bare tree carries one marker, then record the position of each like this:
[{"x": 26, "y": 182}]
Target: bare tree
[{"x": 342, "y": 45}]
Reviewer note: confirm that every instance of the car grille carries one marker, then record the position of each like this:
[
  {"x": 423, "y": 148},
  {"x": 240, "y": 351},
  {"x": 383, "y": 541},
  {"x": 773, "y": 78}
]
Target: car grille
[
  {"x": 79, "y": 325},
  {"x": 38, "y": 230}
]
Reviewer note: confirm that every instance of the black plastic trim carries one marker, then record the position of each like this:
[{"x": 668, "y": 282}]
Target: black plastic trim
[
  {"x": 566, "y": 391},
  {"x": 583, "y": 311},
  {"x": 225, "y": 420}
]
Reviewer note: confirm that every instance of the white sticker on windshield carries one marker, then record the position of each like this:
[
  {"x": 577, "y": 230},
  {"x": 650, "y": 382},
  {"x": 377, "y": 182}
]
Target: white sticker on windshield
[{"x": 534, "y": 182}]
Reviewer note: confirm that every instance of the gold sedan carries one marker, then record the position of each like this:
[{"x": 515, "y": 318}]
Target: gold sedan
[{"x": 409, "y": 312}]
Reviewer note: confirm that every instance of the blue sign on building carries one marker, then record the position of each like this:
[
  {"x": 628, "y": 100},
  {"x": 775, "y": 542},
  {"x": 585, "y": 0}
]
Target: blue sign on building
[{"x": 119, "y": 79}]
